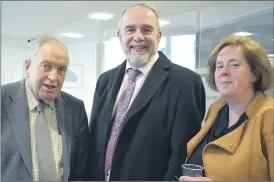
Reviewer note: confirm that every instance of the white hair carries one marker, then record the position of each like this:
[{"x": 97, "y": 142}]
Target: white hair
[{"x": 36, "y": 43}]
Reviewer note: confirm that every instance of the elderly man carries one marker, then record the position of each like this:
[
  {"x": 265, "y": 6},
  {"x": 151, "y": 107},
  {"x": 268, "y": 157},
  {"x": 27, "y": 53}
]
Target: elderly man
[
  {"x": 145, "y": 110},
  {"x": 44, "y": 131}
]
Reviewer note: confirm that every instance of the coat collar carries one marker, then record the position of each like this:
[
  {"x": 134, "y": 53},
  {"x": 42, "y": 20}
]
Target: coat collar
[
  {"x": 155, "y": 77},
  {"x": 230, "y": 141},
  {"x": 18, "y": 115}
]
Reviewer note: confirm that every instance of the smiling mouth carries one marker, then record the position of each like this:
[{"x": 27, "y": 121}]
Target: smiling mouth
[{"x": 138, "y": 47}]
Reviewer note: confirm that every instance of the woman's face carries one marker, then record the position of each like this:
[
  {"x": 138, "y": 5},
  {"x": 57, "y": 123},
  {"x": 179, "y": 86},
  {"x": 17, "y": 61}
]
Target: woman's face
[{"x": 233, "y": 76}]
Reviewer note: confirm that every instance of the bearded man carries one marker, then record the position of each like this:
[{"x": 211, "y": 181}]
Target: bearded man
[{"x": 145, "y": 110}]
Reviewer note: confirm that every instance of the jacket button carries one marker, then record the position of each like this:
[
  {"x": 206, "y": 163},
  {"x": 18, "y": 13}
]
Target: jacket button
[{"x": 97, "y": 152}]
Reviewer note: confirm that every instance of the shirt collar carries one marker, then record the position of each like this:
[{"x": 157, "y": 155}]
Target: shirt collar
[
  {"x": 32, "y": 101},
  {"x": 146, "y": 68}
]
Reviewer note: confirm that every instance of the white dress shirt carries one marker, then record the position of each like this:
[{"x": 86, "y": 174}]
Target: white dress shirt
[{"x": 139, "y": 83}]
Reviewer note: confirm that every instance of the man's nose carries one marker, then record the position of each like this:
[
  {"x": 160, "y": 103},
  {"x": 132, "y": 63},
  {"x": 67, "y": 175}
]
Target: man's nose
[
  {"x": 138, "y": 36},
  {"x": 53, "y": 75}
]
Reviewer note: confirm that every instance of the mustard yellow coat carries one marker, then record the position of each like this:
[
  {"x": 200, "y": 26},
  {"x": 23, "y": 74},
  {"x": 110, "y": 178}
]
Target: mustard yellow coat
[{"x": 244, "y": 154}]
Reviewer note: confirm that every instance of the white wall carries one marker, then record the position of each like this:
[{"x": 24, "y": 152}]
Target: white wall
[
  {"x": 84, "y": 53},
  {"x": 13, "y": 55}
]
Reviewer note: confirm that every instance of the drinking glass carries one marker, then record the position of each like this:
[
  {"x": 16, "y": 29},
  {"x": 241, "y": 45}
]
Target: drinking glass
[{"x": 192, "y": 170}]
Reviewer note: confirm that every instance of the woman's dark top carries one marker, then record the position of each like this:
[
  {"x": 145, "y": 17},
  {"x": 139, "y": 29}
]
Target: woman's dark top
[{"x": 218, "y": 130}]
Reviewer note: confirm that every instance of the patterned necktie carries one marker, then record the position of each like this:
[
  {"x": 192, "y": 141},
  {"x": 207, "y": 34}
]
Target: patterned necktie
[
  {"x": 47, "y": 168},
  {"x": 121, "y": 110}
]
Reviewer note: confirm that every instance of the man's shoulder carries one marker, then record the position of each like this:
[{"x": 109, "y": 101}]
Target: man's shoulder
[
  {"x": 104, "y": 78},
  {"x": 69, "y": 98},
  {"x": 9, "y": 88},
  {"x": 11, "y": 85},
  {"x": 180, "y": 72},
  {"x": 110, "y": 72}
]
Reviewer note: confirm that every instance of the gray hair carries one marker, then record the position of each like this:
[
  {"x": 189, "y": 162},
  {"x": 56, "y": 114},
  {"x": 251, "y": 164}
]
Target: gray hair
[
  {"x": 36, "y": 43},
  {"x": 143, "y": 5}
]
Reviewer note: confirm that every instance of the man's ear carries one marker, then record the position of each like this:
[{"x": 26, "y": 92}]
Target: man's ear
[
  {"x": 27, "y": 67},
  {"x": 159, "y": 35},
  {"x": 119, "y": 34}
]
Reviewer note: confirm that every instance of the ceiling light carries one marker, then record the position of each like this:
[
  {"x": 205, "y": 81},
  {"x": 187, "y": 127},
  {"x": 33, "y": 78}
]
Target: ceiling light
[
  {"x": 72, "y": 35},
  {"x": 163, "y": 22},
  {"x": 243, "y": 33},
  {"x": 100, "y": 16}
]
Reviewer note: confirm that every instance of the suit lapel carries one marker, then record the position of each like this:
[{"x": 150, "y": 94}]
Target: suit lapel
[
  {"x": 64, "y": 119},
  {"x": 115, "y": 82},
  {"x": 18, "y": 114},
  {"x": 155, "y": 78}
]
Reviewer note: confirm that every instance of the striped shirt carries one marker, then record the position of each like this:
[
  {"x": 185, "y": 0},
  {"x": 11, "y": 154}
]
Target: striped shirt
[{"x": 50, "y": 115}]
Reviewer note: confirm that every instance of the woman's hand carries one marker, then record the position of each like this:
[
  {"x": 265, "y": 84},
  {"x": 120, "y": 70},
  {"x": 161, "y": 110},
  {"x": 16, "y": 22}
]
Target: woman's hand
[{"x": 188, "y": 178}]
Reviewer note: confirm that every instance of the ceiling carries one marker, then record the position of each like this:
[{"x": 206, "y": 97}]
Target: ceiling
[
  {"x": 23, "y": 20},
  {"x": 27, "y": 19}
]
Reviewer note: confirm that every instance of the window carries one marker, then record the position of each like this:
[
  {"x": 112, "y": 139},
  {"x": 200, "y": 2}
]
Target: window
[{"x": 183, "y": 50}]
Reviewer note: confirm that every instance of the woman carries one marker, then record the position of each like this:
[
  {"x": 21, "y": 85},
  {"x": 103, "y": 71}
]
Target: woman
[{"x": 236, "y": 141}]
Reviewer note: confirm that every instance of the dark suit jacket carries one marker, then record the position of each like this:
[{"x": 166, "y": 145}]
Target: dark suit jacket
[
  {"x": 165, "y": 115},
  {"x": 16, "y": 162}
]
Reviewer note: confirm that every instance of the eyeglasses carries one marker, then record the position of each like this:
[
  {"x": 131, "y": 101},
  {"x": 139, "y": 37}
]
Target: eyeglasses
[{"x": 47, "y": 67}]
